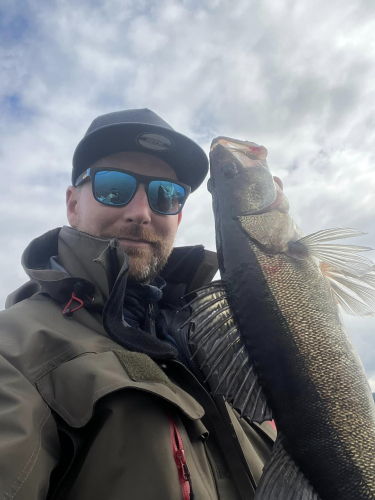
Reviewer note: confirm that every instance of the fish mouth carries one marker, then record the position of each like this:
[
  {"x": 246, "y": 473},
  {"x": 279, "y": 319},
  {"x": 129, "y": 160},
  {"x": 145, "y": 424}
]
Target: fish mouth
[
  {"x": 236, "y": 155},
  {"x": 229, "y": 143},
  {"x": 243, "y": 148}
]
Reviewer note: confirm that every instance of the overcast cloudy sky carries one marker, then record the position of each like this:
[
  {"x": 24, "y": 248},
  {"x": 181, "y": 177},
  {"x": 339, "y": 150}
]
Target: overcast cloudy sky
[{"x": 295, "y": 76}]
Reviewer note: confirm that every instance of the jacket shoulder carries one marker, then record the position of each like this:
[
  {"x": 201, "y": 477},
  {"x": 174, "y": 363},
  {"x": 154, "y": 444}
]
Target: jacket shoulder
[
  {"x": 36, "y": 337},
  {"x": 23, "y": 292}
]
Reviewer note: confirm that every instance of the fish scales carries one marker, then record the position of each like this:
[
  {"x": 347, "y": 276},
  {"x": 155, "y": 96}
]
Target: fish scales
[
  {"x": 326, "y": 400},
  {"x": 289, "y": 322}
]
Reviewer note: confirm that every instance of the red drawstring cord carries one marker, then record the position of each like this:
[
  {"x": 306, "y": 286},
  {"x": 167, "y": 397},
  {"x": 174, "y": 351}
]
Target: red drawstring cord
[
  {"x": 80, "y": 290},
  {"x": 69, "y": 312}
]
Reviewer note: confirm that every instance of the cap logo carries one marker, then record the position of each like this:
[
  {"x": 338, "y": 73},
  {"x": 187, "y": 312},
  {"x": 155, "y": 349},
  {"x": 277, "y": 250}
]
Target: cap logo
[{"x": 155, "y": 142}]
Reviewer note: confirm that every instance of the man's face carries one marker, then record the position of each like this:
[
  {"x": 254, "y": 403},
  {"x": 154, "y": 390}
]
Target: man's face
[{"x": 145, "y": 236}]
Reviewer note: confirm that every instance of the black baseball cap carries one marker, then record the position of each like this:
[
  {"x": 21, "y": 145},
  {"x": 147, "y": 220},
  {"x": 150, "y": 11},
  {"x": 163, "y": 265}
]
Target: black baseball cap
[{"x": 144, "y": 131}]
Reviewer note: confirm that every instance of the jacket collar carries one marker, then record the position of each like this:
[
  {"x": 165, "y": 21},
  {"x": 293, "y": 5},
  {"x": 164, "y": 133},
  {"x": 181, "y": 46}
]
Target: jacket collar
[
  {"x": 97, "y": 262},
  {"x": 96, "y": 270},
  {"x": 83, "y": 258}
]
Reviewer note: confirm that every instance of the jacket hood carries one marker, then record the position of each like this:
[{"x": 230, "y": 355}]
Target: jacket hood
[
  {"x": 80, "y": 257},
  {"x": 59, "y": 259}
]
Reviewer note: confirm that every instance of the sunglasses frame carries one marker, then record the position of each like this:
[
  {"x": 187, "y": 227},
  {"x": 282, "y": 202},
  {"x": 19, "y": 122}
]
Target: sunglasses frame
[{"x": 90, "y": 173}]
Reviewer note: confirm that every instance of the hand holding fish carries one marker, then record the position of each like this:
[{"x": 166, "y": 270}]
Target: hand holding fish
[{"x": 269, "y": 336}]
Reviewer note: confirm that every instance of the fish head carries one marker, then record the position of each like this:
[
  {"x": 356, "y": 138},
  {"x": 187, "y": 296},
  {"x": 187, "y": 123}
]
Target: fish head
[
  {"x": 244, "y": 190},
  {"x": 240, "y": 177}
]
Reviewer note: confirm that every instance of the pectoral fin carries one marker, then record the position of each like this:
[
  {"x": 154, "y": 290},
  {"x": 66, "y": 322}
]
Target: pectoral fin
[{"x": 351, "y": 276}]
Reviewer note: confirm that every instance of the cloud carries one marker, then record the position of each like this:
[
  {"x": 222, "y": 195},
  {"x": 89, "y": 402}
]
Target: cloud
[{"x": 297, "y": 77}]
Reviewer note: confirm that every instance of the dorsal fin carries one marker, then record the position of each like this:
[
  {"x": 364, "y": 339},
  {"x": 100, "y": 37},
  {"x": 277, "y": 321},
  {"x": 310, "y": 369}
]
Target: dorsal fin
[{"x": 220, "y": 352}]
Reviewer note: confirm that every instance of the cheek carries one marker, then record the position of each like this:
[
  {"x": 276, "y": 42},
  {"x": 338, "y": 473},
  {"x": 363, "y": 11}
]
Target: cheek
[
  {"x": 166, "y": 225},
  {"x": 93, "y": 216}
]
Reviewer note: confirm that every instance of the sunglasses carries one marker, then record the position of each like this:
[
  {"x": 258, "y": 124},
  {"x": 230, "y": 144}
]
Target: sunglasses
[{"x": 116, "y": 188}]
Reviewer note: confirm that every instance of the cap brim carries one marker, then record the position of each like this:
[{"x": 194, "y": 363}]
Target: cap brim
[{"x": 187, "y": 159}]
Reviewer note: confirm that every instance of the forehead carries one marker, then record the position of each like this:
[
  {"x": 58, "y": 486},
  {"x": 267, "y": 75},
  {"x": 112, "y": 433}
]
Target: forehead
[{"x": 141, "y": 163}]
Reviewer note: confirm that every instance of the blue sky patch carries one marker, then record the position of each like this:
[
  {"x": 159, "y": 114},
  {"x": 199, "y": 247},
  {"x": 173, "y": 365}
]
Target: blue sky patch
[
  {"x": 12, "y": 107},
  {"x": 13, "y": 28}
]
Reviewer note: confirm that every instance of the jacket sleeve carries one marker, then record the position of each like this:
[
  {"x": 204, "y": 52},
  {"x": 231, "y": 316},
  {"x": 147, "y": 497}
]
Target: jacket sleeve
[{"x": 29, "y": 444}]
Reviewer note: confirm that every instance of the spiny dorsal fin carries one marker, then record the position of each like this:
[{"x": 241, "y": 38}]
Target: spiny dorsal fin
[{"x": 219, "y": 350}]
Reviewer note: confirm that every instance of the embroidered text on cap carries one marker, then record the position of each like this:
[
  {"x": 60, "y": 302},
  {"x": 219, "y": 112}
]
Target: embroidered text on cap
[{"x": 155, "y": 142}]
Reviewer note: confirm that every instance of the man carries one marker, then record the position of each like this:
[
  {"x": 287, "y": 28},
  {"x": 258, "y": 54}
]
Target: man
[{"x": 99, "y": 397}]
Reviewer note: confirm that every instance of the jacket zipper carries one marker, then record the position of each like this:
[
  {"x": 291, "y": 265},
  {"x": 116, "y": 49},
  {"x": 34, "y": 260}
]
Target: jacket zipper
[
  {"x": 150, "y": 320},
  {"x": 179, "y": 457}
]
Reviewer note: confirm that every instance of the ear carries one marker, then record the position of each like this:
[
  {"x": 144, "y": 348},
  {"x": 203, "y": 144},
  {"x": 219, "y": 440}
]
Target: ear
[
  {"x": 72, "y": 205},
  {"x": 179, "y": 218}
]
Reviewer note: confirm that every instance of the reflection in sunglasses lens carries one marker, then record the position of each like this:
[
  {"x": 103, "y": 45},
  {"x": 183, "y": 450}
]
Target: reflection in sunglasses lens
[
  {"x": 114, "y": 188},
  {"x": 117, "y": 188},
  {"x": 165, "y": 197}
]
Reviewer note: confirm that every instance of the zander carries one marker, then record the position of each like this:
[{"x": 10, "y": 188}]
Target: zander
[{"x": 269, "y": 338}]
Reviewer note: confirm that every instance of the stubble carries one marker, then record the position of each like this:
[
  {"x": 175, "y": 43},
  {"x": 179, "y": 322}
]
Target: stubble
[{"x": 147, "y": 262}]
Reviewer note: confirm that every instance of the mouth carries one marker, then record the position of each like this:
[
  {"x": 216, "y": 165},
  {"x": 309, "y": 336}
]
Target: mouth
[{"x": 134, "y": 243}]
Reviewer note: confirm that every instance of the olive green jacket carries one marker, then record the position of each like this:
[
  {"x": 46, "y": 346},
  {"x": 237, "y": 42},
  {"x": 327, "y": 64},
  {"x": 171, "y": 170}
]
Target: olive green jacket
[{"x": 82, "y": 417}]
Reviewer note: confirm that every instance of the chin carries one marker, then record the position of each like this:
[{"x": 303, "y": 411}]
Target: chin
[{"x": 141, "y": 269}]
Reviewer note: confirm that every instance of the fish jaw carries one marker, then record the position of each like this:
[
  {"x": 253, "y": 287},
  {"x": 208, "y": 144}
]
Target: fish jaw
[{"x": 241, "y": 180}]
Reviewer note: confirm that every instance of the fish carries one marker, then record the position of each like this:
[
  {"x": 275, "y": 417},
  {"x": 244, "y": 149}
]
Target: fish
[
  {"x": 168, "y": 198},
  {"x": 269, "y": 335}
]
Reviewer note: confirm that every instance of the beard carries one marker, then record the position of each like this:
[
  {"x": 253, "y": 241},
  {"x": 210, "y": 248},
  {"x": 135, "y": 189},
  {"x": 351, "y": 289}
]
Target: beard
[{"x": 145, "y": 263}]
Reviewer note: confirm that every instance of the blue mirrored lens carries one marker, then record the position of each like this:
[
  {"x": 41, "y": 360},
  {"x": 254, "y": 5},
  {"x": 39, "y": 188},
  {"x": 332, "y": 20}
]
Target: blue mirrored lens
[
  {"x": 114, "y": 188},
  {"x": 166, "y": 197}
]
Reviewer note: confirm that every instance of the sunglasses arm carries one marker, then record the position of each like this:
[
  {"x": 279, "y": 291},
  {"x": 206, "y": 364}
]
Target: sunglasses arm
[{"x": 82, "y": 177}]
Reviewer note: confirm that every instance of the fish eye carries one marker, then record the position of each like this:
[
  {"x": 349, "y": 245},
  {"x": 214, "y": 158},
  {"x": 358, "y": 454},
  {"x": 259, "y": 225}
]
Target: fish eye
[{"x": 230, "y": 169}]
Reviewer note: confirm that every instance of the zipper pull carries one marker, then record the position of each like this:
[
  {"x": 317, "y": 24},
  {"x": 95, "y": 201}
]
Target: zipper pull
[
  {"x": 180, "y": 455},
  {"x": 151, "y": 319},
  {"x": 182, "y": 466}
]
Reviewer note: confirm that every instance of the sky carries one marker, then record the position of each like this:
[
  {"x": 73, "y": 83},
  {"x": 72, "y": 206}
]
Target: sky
[{"x": 295, "y": 76}]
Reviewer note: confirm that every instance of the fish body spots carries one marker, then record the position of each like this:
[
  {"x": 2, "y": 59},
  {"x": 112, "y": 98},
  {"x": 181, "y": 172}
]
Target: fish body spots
[
  {"x": 272, "y": 269},
  {"x": 335, "y": 399}
]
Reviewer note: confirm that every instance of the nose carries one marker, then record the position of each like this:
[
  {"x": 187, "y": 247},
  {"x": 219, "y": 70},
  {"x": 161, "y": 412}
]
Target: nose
[{"x": 138, "y": 211}]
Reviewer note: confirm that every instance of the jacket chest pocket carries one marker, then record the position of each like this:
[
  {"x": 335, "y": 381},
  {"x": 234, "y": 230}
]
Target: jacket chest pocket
[
  {"x": 84, "y": 390},
  {"x": 73, "y": 389}
]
